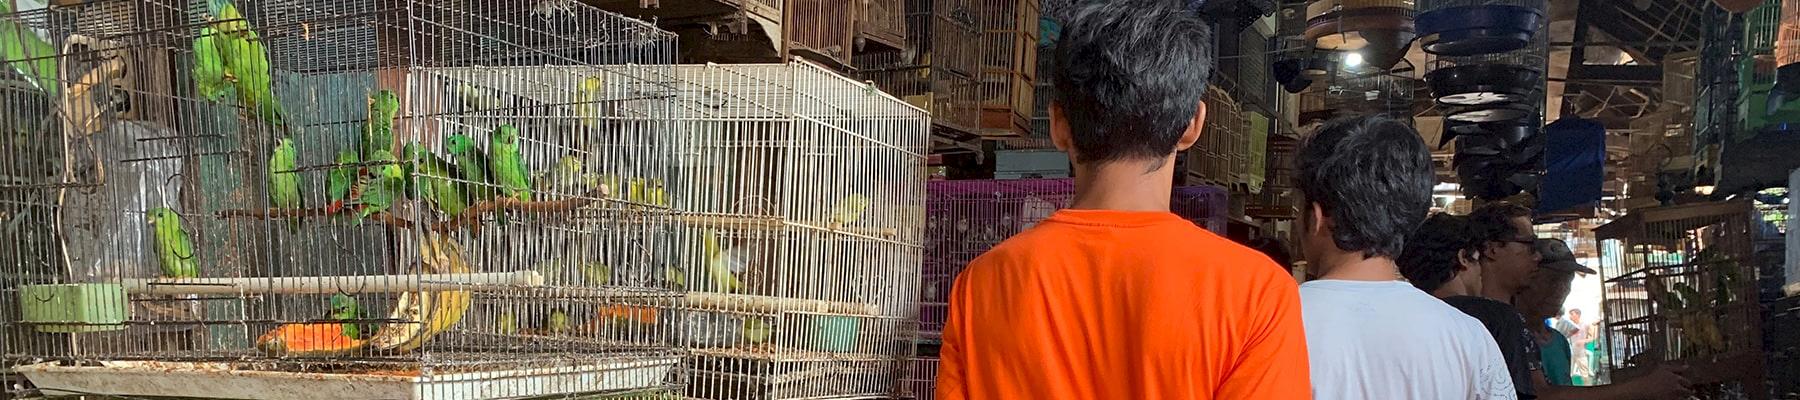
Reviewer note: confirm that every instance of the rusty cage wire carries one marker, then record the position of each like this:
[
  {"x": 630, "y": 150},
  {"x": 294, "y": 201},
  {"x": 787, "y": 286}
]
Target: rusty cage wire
[
  {"x": 1680, "y": 285},
  {"x": 803, "y": 201},
  {"x": 339, "y": 198}
]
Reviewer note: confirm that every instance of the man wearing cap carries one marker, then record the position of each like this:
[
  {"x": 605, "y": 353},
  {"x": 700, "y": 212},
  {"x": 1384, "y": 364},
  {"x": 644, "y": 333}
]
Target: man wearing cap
[
  {"x": 1543, "y": 299},
  {"x": 1521, "y": 272}
]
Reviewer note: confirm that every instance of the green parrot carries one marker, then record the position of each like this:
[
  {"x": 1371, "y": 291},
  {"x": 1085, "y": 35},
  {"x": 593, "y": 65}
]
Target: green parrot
[
  {"x": 345, "y": 310},
  {"x": 718, "y": 264},
  {"x": 507, "y": 164},
  {"x": 434, "y": 177},
  {"x": 506, "y": 324},
  {"x": 38, "y": 56},
  {"x": 849, "y": 209},
  {"x": 557, "y": 323},
  {"x": 341, "y": 179},
  {"x": 210, "y": 81},
  {"x": 173, "y": 247},
  {"x": 587, "y": 100},
  {"x": 565, "y": 177},
  {"x": 757, "y": 331},
  {"x": 596, "y": 273},
  {"x": 471, "y": 166},
  {"x": 284, "y": 183},
  {"x": 409, "y": 166},
  {"x": 378, "y": 129},
  {"x": 376, "y": 193},
  {"x": 246, "y": 60}
]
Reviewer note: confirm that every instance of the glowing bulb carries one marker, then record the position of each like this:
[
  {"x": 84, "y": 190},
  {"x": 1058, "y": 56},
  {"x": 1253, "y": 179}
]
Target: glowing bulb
[{"x": 1353, "y": 60}]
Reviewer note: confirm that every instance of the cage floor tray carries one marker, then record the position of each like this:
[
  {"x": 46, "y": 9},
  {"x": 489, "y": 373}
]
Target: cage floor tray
[{"x": 223, "y": 380}]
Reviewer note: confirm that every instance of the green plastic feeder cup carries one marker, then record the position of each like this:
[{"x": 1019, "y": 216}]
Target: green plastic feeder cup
[
  {"x": 75, "y": 307},
  {"x": 835, "y": 334}
]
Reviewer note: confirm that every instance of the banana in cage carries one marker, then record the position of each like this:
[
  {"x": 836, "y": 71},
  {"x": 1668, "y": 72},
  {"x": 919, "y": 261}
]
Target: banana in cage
[{"x": 338, "y": 198}]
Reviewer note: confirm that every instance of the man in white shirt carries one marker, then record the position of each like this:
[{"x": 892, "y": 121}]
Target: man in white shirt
[{"x": 1370, "y": 334}]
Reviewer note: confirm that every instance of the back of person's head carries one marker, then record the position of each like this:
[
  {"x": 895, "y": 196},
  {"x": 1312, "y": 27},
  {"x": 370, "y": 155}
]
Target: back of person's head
[
  {"x": 1436, "y": 251},
  {"x": 1129, "y": 79},
  {"x": 1370, "y": 179}
]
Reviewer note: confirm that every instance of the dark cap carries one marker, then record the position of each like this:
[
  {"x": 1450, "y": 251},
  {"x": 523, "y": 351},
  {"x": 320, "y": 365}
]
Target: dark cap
[{"x": 1556, "y": 255}]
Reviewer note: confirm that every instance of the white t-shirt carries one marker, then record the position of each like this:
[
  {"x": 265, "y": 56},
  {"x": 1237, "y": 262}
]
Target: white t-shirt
[{"x": 1389, "y": 340}]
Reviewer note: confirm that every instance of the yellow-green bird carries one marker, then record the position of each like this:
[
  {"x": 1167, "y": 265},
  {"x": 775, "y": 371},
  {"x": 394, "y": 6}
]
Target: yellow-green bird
[
  {"x": 849, "y": 209},
  {"x": 284, "y": 183},
  {"x": 173, "y": 247}
]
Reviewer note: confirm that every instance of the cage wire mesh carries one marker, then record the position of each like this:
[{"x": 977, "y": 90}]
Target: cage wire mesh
[
  {"x": 1206, "y": 206},
  {"x": 290, "y": 195},
  {"x": 1008, "y": 50},
  {"x": 1680, "y": 286},
  {"x": 803, "y": 201},
  {"x": 938, "y": 67},
  {"x": 965, "y": 218},
  {"x": 1223, "y": 151}
]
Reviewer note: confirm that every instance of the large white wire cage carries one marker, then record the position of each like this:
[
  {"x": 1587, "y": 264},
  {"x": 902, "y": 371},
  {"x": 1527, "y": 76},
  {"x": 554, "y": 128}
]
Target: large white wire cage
[
  {"x": 802, "y": 196},
  {"x": 338, "y": 198},
  {"x": 1680, "y": 286}
]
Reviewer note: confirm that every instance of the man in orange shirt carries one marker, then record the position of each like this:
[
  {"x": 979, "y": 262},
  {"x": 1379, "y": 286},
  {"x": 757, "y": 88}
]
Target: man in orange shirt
[{"x": 1115, "y": 297}]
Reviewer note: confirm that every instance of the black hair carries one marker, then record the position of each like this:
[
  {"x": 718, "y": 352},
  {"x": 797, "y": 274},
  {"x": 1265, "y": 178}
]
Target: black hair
[
  {"x": 1129, "y": 77},
  {"x": 1276, "y": 249},
  {"x": 1372, "y": 176},
  {"x": 1434, "y": 251},
  {"x": 1494, "y": 221}
]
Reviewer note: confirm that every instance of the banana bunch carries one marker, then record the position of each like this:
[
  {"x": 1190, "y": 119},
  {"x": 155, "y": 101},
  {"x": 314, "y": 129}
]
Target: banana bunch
[{"x": 426, "y": 314}]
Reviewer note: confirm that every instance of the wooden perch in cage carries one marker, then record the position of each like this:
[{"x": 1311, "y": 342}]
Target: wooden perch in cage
[
  {"x": 332, "y": 284},
  {"x": 761, "y": 304},
  {"x": 469, "y": 217}
]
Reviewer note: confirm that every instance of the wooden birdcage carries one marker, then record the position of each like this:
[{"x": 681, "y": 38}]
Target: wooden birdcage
[
  {"x": 937, "y": 69},
  {"x": 1219, "y": 157},
  {"x": 881, "y": 25},
  {"x": 1008, "y": 53},
  {"x": 1680, "y": 286}
]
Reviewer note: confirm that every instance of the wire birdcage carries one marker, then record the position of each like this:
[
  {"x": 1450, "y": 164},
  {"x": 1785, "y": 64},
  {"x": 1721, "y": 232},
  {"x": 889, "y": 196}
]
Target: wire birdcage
[
  {"x": 937, "y": 70},
  {"x": 1218, "y": 158},
  {"x": 276, "y": 206},
  {"x": 803, "y": 206},
  {"x": 1206, "y": 205},
  {"x": 1008, "y": 50},
  {"x": 1680, "y": 285},
  {"x": 1385, "y": 92}
]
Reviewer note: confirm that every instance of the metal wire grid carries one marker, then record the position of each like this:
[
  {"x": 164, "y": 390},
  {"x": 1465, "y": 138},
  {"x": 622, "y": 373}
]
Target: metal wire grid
[
  {"x": 157, "y": 144},
  {"x": 804, "y": 191},
  {"x": 1008, "y": 51},
  {"x": 1206, "y": 205},
  {"x": 1680, "y": 285},
  {"x": 965, "y": 219},
  {"x": 938, "y": 69},
  {"x": 1223, "y": 151}
]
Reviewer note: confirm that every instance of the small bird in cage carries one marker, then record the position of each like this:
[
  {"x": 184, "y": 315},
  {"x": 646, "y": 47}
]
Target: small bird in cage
[
  {"x": 507, "y": 164},
  {"x": 246, "y": 61},
  {"x": 566, "y": 177},
  {"x": 342, "y": 336},
  {"x": 724, "y": 264},
  {"x": 209, "y": 77},
  {"x": 173, "y": 247},
  {"x": 284, "y": 182},
  {"x": 556, "y": 323},
  {"x": 589, "y": 98},
  {"x": 435, "y": 176},
  {"x": 848, "y": 210},
  {"x": 378, "y": 128},
  {"x": 472, "y": 166},
  {"x": 374, "y": 194},
  {"x": 341, "y": 179}
]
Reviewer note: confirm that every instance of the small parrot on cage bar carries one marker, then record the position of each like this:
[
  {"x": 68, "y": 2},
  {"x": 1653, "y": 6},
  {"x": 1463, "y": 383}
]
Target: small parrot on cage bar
[
  {"x": 588, "y": 97},
  {"x": 210, "y": 81},
  {"x": 848, "y": 210},
  {"x": 507, "y": 164},
  {"x": 378, "y": 128},
  {"x": 17, "y": 42},
  {"x": 471, "y": 166},
  {"x": 376, "y": 193},
  {"x": 246, "y": 62},
  {"x": 341, "y": 179},
  {"x": 506, "y": 324},
  {"x": 284, "y": 183},
  {"x": 435, "y": 176},
  {"x": 173, "y": 247},
  {"x": 557, "y": 323},
  {"x": 719, "y": 261}
]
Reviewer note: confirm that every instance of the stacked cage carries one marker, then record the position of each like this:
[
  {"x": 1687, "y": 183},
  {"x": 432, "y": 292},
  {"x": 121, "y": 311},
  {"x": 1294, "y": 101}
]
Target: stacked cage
[
  {"x": 1009, "y": 61},
  {"x": 881, "y": 24},
  {"x": 1221, "y": 155},
  {"x": 965, "y": 219},
  {"x": 802, "y": 204},
  {"x": 1760, "y": 103},
  {"x": 1716, "y": 113},
  {"x": 1489, "y": 77},
  {"x": 1680, "y": 286},
  {"x": 938, "y": 67},
  {"x": 339, "y": 199}
]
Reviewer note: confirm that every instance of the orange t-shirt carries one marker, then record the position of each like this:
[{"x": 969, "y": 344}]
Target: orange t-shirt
[{"x": 1094, "y": 304}]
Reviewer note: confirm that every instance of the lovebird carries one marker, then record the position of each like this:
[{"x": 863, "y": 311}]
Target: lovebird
[
  {"x": 433, "y": 176},
  {"x": 210, "y": 81},
  {"x": 377, "y": 192},
  {"x": 507, "y": 165},
  {"x": 757, "y": 331},
  {"x": 378, "y": 129},
  {"x": 284, "y": 183},
  {"x": 849, "y": 209},
  {"x": 588, "y": 96},
  {"x": 506, "y": 324},
  {"x": 557, "y": 323},
  {"x": 173, "y": 247},
  {"x": 246, "y": 61},
  {"x": 471, "y": 166},
  {"x": 345, "y": 310},
  {"x": 719, "y": 261},
  {"x": 341, "y": 179}
]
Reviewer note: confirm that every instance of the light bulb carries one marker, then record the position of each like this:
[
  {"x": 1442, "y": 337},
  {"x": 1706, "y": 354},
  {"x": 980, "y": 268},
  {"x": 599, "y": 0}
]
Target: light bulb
[{"x": 1353, "y": 60}]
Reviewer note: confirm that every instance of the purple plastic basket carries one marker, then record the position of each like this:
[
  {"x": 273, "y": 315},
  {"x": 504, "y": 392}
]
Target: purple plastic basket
[
  {"x": 1205, "y": 205},
  {"x": 966, "y": 218}
]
